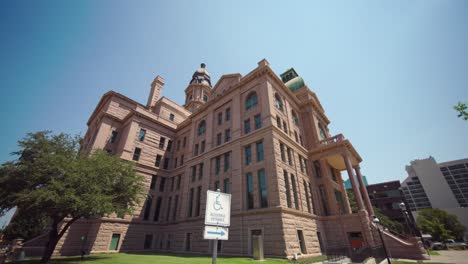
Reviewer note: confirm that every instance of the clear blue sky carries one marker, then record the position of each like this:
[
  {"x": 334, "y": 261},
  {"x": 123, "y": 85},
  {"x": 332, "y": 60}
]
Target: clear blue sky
[{"x": 387, "y": 72}]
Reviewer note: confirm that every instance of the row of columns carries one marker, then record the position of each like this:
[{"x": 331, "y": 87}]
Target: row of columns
[{"x": 359, "y": 188}]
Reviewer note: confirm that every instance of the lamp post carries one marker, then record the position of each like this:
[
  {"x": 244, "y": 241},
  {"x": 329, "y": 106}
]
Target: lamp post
[
  {"x": 377, "y": 223},
  {"x": 406, "y": 216}
]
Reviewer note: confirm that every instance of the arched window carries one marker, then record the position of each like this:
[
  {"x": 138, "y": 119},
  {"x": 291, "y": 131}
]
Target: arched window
[
  {"x": 278, "y": 102},
  {"x": 202, "y": 128},
  {"x": 205, "y": 98},
  {"x": 323, "y": 134},
  {"x": 251, "y": 100},
  {"x": 294, "y": 117}
]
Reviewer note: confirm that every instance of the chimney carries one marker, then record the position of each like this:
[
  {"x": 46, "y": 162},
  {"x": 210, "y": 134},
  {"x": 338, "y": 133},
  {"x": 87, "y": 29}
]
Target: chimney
[{"x": 155, "y": 94}]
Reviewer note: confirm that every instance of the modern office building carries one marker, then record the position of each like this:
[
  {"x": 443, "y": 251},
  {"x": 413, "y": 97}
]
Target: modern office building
[
  {"x": 438, "y": 185},
  {"x": 260, "y": 137},
  {"x": 387, "y": 197}
]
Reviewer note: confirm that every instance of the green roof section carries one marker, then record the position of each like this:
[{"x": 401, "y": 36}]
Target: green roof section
[{"x": 292, "y": 80}]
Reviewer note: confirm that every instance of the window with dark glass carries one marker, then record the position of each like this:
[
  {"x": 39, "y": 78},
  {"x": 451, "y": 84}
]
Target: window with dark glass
[
  {"x": 148, "y": 241},
  {"x": 312, "y": 199},
  {"x": 220, "y": 118},
  {"x": 154, "y": 178},
  {"x": 227, "y": 158},
  {"x": 294, "y": 189},
  {"x": 176, "y": 204},
  {"x": 227, "y": 135},
  {"x": 141, "y": 135},
  {"x": 247, "y": 126},
  {"x": 251, "y": 101},
  {"x": 190, "y": 202},
  {"x": 200, "y": 171},
  {"x": 278, "y": 122},
  {"x": 197, "y": 205},
  {"x": 323, "y": 134},
  {"x": 195, "y": 150},
  {"x": 296, "y": 137},
  {"x": 169, "y": 145},
  {"x": 158, "y": 209},
  {"x": 194, "y": 173},
  {"x": 178, "y": 182},
  {"x": 289, "y": 151},
  {"x": 259, "y": 147},
  {"x": 262, "y": 188},
  {"x": 172, "y": 183},
  {"x": 306, "y": 190},
  {"x": 219, "y": 138},
  {"x": 301, "y": 164},
  {"x": 228, "y": 114},
  {"x": 168, "y": 209},
  {"x": 113, "y": 137},
  {"x": 278, "y": 102},
  {"x": 147, "y": 212},
  {"x": 202, "y": 128},
  {"x": 294, "y": 117},
  {"x": 205, "y": 98},
  {"x": 157, "y": 162},
  {"x": 162, "y": 141},
  {"x": 248, "y": 155},
  {"x": 250, "y": 191},
  {"x": 171, "y": 117},
  {"x": 202, "y": 148},
  {"x": 184, "y": 142},
  {"x": 285, "y": 127},
  {"x": 182, "y": 160},
  {"x": 258, "y": 121},
  {"x": 226, "y": 186},
  {"x": 162, "y": 184},
  {"x": 136, "y": 154},
  {"x": 300, "y": 139},
  {"x": 323, "y": 198},
  {"x": 318, "y": 174},
  {"x": 288, "y": 189},
  {"x": 166, "y": 163},
  {"x": 217, "y": 165},
  {"x": 178, "y": 145},
  {"x": 283, "y": 156},
  {"x": 333, "y": 173}
]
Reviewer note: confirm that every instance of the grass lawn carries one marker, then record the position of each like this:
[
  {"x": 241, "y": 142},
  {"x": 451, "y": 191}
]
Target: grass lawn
[
  {"x": 433, "y": 253},
  {"x": 123, "y": 258}
]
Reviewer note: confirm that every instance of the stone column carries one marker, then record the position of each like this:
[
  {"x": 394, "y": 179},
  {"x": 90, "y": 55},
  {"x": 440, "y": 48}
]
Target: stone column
[
  {"x": 363, "y": 189},
  {"x": 357, "y": 193}
]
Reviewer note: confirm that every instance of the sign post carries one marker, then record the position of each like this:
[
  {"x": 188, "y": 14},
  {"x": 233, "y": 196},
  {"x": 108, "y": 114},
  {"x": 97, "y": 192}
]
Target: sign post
[{"x": 217, "y": 218}]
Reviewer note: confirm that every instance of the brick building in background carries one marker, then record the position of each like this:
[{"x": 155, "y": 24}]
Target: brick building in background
[{"x": 260, "y": 137}]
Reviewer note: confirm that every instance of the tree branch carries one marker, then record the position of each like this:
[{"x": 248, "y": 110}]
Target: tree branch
[{"x": 67, "y": 225}]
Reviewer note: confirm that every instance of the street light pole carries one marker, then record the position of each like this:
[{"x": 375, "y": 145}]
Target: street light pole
[
  {"x": 406, "y": 216},
  {"x": 377, "y": 223}
]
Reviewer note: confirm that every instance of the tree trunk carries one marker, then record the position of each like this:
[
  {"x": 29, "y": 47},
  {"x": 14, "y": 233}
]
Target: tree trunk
[{"x": 54, "y": 237}]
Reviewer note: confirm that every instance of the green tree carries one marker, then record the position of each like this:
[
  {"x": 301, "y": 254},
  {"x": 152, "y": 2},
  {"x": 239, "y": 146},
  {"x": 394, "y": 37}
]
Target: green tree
[
  {"x": 462, "y": 108},
  {"x": 385, "y": 221},
  {"x": 50, "y": 178},
  {"x": 352, "y": 201},
  {"x": 26, "y": 226},
  {"x": 440, "y": 224}
]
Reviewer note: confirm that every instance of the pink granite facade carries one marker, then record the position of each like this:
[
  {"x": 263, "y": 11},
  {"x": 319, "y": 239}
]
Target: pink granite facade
[{"x": 262, "y": 138}]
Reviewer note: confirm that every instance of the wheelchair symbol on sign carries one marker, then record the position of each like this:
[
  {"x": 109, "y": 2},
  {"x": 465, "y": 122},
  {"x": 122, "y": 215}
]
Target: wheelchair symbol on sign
[{"x": 217, "y": 204}]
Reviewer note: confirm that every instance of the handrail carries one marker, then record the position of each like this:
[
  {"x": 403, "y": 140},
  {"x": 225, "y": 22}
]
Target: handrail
[{"x": 332, "y": 140}]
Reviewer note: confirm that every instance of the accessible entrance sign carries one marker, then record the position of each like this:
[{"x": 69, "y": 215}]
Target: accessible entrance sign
[
  {"x": 216, "y": 232},
  {"x": 218, "y": 209}
]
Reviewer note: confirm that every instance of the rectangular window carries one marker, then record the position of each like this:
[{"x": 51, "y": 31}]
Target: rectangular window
[
  {"x": 300, "y": 139},
  {"x": 285, "y": 127},
  {"x": 157, "y": 162},
  {"x": 171, "y": 117},
  {"x": 288, "y": 189},
  {"x": 200, "y": 171},
  {"x": 178, "y": 182},
  {"x": 166, "y": 163},
  {"x": 197, "y": 207},
  {"x": 283, "y": 156},
  {"x": 219, "y": 138},
  {"x": 182, "y": 160},
  {"x": 227, "y": 135},
  {"x": 262, "y": 188},
  {"x": 289, "y": 157},
  {"x": 169, "y": 145},
  {"x": 148, "y": 241},
  {"x": 172, "y": 183},
  {"x": 332, "y": 170},
  {"x": 294, "y": 189},
  {"x": 158, "y": 209},
  {"x": 190, "y": 203},
  {"x": 202, "y": 148},
  {"x": 194, "y": 173},
  {"x": 312, "y": 199},
  {"x": 247, "y": 126},
  {"x": 323, "y": 198},
  {"x": 195, "y": 150},
  {"x": 176, "y": 203},
  {"x": 259, "y": 147},
  {"x": 227, "y": 158},
  {"x": 168, "y": 210},
  {"x": 228, "y": 114},
  {"x": 306, "y": 190},
  {"x": 136, "y": 154},
  {"x": 248, "y": 155},
  {"x": 178, "y": 145},
  {"x": 301, "y": 163},
  {"x": 141, "y": 135},
  {"x": 162, "y": 184},
  {"x": 154, "y": 178},
  {"x": 226, "y": 186},
  {"x": 220, "y": 118},
  {"x": 295, "y": 136},
  {"x": 258, "y": 121},
  {"x": 278, "y": 121},
  {"x": 300, "y": 238},
  {"x": 175, "y": 163},
  {"x": 113, "y": 136},
  {"x": 162, "y": 141},
  {"x": 185, "y": 142},
  {"x": 147, "y": 212},
  {"x": 250, "y": 194},
  {"x": 318, "y": 174},
  {"x": 217, "y": 165}
]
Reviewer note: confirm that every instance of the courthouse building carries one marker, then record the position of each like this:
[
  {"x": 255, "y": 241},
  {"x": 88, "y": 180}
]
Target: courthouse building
[{"x": 261, "y": 137}]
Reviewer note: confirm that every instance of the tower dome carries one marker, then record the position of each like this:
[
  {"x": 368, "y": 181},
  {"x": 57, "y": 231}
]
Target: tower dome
[{"x": 201, "y": 76}]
